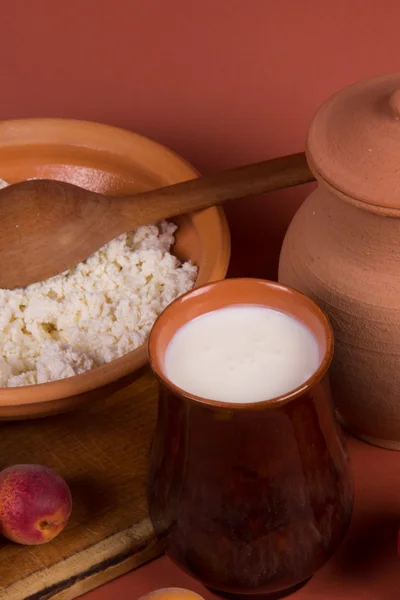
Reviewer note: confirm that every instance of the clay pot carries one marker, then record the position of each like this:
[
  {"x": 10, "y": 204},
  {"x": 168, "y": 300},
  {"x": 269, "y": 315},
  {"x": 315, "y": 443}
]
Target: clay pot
[
  {"x": 342, "y": 249},
  {"x": 250, "y": 497}
]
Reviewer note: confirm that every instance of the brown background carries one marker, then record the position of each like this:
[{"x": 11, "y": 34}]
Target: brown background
[{"x": 223, "y": 82}]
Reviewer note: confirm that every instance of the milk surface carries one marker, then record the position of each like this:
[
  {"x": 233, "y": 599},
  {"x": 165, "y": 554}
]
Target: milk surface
[{"x": 241, "y": 354}]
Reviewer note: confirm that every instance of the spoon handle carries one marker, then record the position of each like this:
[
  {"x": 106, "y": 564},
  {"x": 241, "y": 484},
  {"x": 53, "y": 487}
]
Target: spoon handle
[{"x": 202, "y": 192}]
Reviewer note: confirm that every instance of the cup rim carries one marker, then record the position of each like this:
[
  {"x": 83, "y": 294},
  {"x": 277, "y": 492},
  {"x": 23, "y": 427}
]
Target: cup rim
[{"x": 271, "y": 403}]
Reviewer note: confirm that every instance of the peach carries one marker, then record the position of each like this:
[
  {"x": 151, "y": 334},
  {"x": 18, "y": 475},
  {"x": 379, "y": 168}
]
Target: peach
[
  {"x": 171, "y": 594},
  {"x": 35, "y": 504}
]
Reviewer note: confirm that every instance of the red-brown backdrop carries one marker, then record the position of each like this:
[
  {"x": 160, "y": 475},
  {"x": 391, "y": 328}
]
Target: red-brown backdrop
[{"x": 223, "y": 82}]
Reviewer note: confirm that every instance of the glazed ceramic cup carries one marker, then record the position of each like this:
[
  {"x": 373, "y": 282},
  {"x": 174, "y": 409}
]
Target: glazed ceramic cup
[{"x": 251, "y": 498}]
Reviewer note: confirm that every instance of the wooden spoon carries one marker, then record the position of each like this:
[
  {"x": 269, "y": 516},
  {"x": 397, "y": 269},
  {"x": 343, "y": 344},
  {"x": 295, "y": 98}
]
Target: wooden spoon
[{"x": 47, "y": 226}]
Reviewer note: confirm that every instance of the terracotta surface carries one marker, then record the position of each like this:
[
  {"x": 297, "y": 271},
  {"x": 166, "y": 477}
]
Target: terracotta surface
[
  {"x": 342, "y": 252},
  {"x": 250, "y": 498},
  {"x": 51, "y": 226},
  {"x": 116, "y": 162}
]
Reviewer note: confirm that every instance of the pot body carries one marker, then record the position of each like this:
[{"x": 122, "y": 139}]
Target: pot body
[
  {"x": 250, "y": 501},
  {"x": 347, "y": 258}
]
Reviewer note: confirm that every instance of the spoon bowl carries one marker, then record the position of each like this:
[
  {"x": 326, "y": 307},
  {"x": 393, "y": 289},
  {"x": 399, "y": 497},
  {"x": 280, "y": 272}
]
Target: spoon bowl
[{"x": 51, "y": 226}]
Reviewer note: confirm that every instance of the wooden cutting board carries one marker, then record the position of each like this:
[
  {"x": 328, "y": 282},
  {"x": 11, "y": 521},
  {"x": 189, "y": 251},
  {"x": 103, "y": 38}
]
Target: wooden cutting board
[{"x": 102, "y": 452}]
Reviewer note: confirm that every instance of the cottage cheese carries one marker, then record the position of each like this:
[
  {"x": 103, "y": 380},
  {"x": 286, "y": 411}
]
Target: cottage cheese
[{"x": 92, "y": 314}]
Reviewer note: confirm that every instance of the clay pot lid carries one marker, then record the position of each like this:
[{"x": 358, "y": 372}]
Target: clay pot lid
[{"x": 354, "y": 141}]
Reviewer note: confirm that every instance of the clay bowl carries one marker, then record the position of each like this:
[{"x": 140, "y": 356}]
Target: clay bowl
[{"x": 117, "y": 162}]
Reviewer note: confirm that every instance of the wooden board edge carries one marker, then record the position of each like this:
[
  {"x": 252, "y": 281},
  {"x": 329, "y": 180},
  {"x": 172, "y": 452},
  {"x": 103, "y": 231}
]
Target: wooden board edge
[
  {"x": 90, "y": 568},
  {"x": 93, "y": 580}
]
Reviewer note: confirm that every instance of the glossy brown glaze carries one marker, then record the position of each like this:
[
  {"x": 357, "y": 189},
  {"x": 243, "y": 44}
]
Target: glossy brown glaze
[
  {"x": 251, "y": 498},
  {"x": 111, "y": 161}
]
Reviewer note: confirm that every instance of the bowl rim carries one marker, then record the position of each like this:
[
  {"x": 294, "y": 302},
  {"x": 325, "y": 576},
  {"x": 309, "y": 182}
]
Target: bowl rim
[{"x": 74, "y": 134}]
